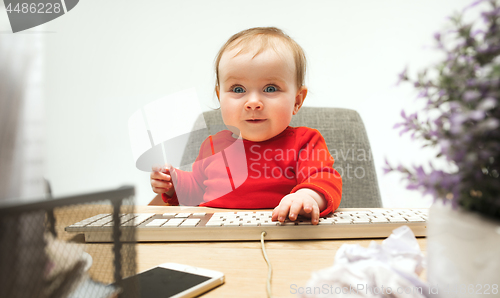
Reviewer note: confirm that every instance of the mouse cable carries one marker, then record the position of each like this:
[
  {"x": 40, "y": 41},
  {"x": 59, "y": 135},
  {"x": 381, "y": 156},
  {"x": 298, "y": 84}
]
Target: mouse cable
[{"x": 270, "y": 271}]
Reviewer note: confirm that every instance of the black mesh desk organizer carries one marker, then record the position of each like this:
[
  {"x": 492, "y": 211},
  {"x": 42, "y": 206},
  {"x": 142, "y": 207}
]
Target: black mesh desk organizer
[{"x": 39, "y": 259}]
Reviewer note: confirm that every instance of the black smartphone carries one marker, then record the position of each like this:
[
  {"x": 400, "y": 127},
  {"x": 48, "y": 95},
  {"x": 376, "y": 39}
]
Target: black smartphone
[{"x": 176, "y": 281}]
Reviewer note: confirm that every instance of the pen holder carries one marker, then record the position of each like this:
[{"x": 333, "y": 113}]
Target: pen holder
[{"x": 38, "y": 258}]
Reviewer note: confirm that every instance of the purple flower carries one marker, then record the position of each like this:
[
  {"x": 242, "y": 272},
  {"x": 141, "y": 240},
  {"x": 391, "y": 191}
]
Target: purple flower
[
  {"x": 471, "y": 157},
  {"x": 433, "y": 133},
  {"x": 491, "y": 124},
  {"x": 490, "y": 14},
  {"x": 484, "y": 155},
  {"x": 459, "y": 155},
  {"x": 454, "y": 106},
  {"x": 423, "y": 93},
  {"x": 472, "y": 5},
  {"x": 445, "y": 146},
  {"x": 477, "y": 115},
  {"x": 471, "y": 82},
  {"x": 489, "y": 49},
  {"x": 403, "y": 114},
  {"x": 462, "y": 116},
  {"x": 406, "y": 129},
  {"x": 471, "y": 95},
  {"x": 487, "y": 104},
  {"x": 402, "y": 76},
  {"x": 476, "y": 32}
]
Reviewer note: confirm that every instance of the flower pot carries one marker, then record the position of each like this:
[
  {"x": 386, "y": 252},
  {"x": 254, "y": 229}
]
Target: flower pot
[{"x": 463, "y": 253}]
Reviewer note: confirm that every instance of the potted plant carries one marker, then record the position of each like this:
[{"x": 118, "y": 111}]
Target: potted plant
[{"x": 461, "y": 120}]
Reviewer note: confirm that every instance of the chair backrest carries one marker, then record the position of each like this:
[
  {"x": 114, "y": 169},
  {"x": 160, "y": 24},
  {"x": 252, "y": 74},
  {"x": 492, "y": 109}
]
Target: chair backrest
[{"x": 347, "y": 141}]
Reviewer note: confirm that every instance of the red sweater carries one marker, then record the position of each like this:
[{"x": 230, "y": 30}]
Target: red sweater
[{"x": 240, "y": 174}]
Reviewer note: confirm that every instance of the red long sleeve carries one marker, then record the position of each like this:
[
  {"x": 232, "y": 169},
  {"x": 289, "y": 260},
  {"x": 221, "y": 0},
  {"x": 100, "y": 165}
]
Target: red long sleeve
[{"x": 255, "y": 175}]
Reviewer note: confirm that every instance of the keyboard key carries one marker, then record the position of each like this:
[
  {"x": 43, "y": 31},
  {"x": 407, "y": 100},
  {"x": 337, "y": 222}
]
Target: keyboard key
[
  {"x": 397, "y": 220},
  {"x": 90, "y": 220},
  {"x": 232, "y": 224},
  {"x": 128, "y": 217},
  {"x": 182, "y": 215},
  {"x": 269, "y": 223},
  {"x": 191, "y": 222},
  {"x": 199, "y": 214},
  {"x": 345, "y": 217},
  {"x": 139, "y": 219},
  {"x": 123, "y": 219},
  {"x": 343, "y": 221},
  {"x": 174, "y": 222},
  {"x": 101, "y": 222},
  {"x": 213, "y": 224},
  {"x": 363, "y": 212},
  {"x": 169, "y": 214},
  {"x": 265, "y": 214},
  {"x": 415, "y": 219},
  {"x": 156, "y": 222},
  {"x": 360, "y": 221},
  {"x": 250, "y": 224},
  {"x": 380, "y": 220}
]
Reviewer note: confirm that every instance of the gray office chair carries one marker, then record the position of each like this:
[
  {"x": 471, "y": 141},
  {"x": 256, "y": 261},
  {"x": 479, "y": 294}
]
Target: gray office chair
[{"x": 347, "y": 141}]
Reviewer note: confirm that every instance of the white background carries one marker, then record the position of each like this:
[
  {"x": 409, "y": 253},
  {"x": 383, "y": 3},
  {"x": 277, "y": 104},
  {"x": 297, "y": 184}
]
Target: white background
[{"x": 106, "y": 59}]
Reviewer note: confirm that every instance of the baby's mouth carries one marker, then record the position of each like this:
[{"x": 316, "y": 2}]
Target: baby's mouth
[{"x": 255, "y": 120}]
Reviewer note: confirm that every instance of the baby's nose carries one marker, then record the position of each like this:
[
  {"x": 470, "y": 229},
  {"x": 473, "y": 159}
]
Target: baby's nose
[{"x": 253, "y": 103}]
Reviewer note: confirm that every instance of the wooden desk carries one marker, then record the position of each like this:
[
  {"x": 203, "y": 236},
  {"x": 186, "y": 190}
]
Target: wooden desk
[{"x": 242, "y": 262}]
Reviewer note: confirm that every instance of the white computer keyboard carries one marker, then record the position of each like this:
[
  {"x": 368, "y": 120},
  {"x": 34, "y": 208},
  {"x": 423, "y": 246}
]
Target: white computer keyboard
[{"x": 235, "y": 226}]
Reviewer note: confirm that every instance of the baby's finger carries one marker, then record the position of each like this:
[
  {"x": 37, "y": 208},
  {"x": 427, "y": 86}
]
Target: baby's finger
[
  {"x": 159, "y": 190},
  {"x": 161, "y": 184},
  {"x": 307, "y": 206},
  {"x": 315, "y": 215},
  {"x": 284, "y": 209},
  {"x": 275, "y": 213},
  {"x": 295, "y": 209},
  {"x": 167, "y": 168},
  {"x": 160, "y": 176}
]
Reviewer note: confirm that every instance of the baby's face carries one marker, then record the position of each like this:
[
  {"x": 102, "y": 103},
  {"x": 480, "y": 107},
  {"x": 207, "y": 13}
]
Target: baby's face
[{"x": 258, "y": 95}]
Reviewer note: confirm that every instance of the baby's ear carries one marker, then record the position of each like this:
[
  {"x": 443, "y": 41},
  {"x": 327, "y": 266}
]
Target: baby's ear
[
  {"x": 299, "y": 99},
  {"x": 217, "y": 89}
]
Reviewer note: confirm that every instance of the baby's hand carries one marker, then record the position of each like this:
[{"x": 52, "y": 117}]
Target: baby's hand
[
  {"x": 295, "y": 204},
  {"x": 161, "y": 180}
]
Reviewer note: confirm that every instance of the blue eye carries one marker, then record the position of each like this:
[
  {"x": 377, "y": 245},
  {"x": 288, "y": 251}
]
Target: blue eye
[
  {"x": 270, "y": 89},
  {"x": 238, "y": 90}
]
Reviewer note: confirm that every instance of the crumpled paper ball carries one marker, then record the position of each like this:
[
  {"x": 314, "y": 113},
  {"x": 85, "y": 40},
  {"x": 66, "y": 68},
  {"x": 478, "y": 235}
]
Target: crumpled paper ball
[{"x": 387, "y": 270}]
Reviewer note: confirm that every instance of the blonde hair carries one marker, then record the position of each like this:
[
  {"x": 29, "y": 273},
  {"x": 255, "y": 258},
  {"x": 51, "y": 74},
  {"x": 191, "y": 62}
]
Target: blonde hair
[{"x": 266, "y": 38}]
